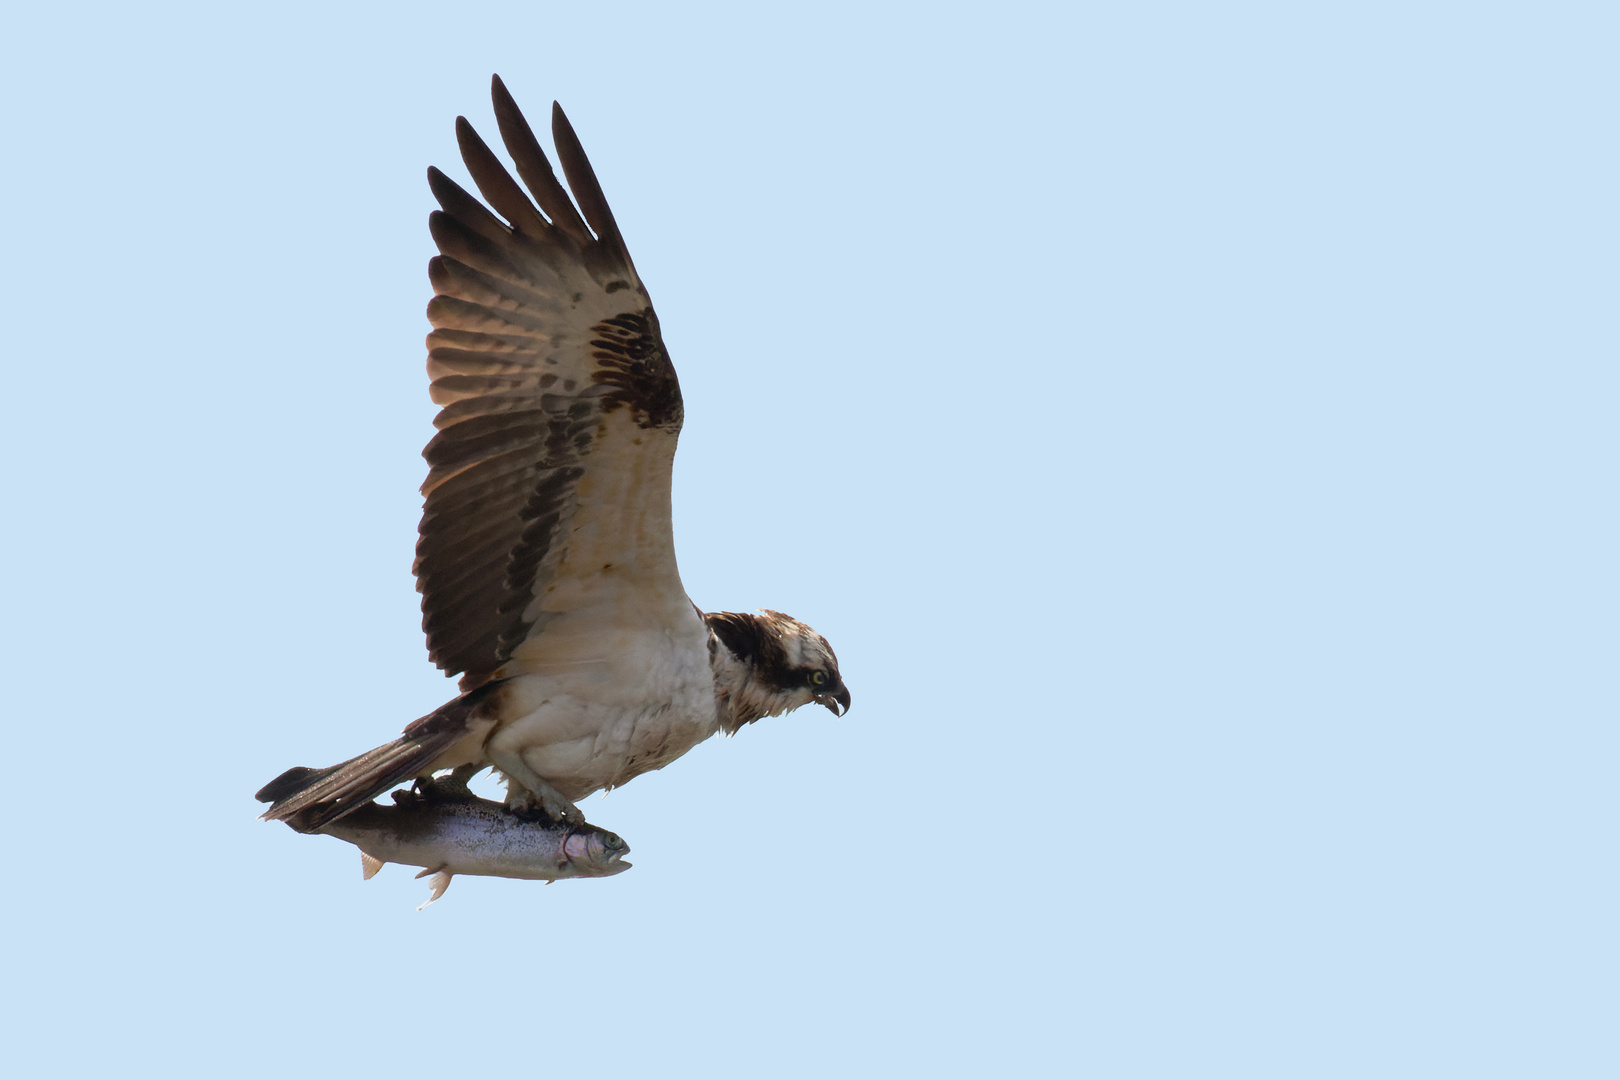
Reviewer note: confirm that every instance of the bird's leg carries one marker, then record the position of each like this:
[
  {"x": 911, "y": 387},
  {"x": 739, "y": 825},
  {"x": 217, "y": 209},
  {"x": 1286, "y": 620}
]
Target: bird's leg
[
  {"x": 526, "y": 802},
  {"x": 528, "y": 794}
]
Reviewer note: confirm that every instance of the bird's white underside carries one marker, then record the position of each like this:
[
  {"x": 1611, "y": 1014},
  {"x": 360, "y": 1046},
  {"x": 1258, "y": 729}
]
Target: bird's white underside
[{"x": 615, "y": 678}]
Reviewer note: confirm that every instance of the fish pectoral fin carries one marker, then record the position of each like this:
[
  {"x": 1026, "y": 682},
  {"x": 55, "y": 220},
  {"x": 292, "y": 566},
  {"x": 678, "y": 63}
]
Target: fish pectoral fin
[
  {"x": 440, "y": 882},
  {"x": 369, "y": 865}
]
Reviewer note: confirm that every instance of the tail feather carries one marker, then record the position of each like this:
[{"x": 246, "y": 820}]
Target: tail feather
[
  {"x": 290, "y": 781},
  {"x": 324, "y": 795},
  {"x": 309, "y": 799}
]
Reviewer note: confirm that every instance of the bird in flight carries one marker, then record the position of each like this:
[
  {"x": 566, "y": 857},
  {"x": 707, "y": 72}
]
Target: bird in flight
[{"x": 546, "y": 554}]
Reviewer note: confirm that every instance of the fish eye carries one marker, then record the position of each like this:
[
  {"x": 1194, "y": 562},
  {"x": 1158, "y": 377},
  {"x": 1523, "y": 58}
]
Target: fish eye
[{"x": 818, "y": 678}]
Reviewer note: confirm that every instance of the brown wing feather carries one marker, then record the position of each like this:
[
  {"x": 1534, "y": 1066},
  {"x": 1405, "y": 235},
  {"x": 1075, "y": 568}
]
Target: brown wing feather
[
  {"x": 582, "y": 179},
  {"x": 541, "y": 331},
  {"x": 533, "y": 166}
]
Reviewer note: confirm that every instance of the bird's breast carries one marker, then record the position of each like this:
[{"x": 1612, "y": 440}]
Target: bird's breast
[{"x": 594, "y": 722}]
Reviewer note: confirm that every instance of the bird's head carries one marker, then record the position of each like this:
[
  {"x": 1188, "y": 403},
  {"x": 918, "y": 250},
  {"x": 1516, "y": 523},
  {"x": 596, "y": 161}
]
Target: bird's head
[{"x": 768, "y": 663}]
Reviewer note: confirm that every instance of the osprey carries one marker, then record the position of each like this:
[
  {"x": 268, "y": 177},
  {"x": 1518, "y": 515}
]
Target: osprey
[{"x": 546, "y": 557}]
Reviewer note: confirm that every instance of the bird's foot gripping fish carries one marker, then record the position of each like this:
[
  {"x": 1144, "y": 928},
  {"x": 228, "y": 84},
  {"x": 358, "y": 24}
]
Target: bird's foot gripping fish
[{"x": 447, "y": 830}]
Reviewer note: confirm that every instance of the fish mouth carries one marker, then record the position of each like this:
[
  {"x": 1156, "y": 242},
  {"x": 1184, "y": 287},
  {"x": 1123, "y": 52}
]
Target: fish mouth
[
  {"x": 598, "y": 853},
  {"x": 610, "y": 863}
]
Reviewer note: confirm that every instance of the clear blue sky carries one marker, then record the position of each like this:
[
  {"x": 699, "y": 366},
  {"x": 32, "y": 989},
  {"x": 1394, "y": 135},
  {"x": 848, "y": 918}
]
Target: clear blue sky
[{"x": 1194, "y": 426}]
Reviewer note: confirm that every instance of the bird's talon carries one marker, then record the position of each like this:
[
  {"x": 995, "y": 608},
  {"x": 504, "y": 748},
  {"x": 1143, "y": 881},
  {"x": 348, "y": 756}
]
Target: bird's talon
[{"x": 547, "y": 807}]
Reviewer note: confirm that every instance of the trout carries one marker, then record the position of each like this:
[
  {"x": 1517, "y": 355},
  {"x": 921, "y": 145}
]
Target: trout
[{"x": 447, "y": 830}]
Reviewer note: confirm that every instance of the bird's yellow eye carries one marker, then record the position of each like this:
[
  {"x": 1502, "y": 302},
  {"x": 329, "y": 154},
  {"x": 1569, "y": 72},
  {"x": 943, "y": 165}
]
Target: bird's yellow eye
[{"x": 818, "y": 678}]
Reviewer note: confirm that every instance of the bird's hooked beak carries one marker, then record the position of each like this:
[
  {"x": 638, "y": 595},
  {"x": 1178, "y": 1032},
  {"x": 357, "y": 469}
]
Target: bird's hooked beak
[{"x": 837, "y": 702}]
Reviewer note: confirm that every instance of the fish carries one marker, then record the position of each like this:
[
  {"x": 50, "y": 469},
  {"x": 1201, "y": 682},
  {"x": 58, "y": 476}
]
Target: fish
[{"x": 444, "y": 828}]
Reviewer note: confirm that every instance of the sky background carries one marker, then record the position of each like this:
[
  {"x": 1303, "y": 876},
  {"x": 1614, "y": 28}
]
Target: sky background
[{"x": 1193, "y": 425}]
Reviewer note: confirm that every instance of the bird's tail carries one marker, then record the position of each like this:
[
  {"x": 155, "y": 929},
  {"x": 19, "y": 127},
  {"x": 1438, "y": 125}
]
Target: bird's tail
[{"x": 308, "y": 799}]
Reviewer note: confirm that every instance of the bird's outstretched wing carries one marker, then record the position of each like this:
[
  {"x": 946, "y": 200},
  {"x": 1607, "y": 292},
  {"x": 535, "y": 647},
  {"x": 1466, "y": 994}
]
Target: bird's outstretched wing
[{"x": 549, "y": 482}]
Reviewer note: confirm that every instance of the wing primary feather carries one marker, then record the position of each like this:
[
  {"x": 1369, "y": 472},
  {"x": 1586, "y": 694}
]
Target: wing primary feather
[
  {"x": 455, "y": 313},
  {"x": 496, "y": 184},
  {"x": 582, "y": 182},
  {"x": 524, "y": 345},
  {"x": 459, "y": 204},
  {"x": 446, "y": 362},
  {"x": 534, "y": 167},
  {"x": 464, "y": 247},
  {"x": 449, "y": 313}
]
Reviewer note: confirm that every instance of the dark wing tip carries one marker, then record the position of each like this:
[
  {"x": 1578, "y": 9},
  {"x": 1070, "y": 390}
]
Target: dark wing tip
[
  {"x": 582, "y": 182},
  {"x": 533, "y": 167}
]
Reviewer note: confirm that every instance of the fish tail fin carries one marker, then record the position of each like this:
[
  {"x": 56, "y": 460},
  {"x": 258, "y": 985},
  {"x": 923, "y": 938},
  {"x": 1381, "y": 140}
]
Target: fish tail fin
[{"x": 309, "y": 799}]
